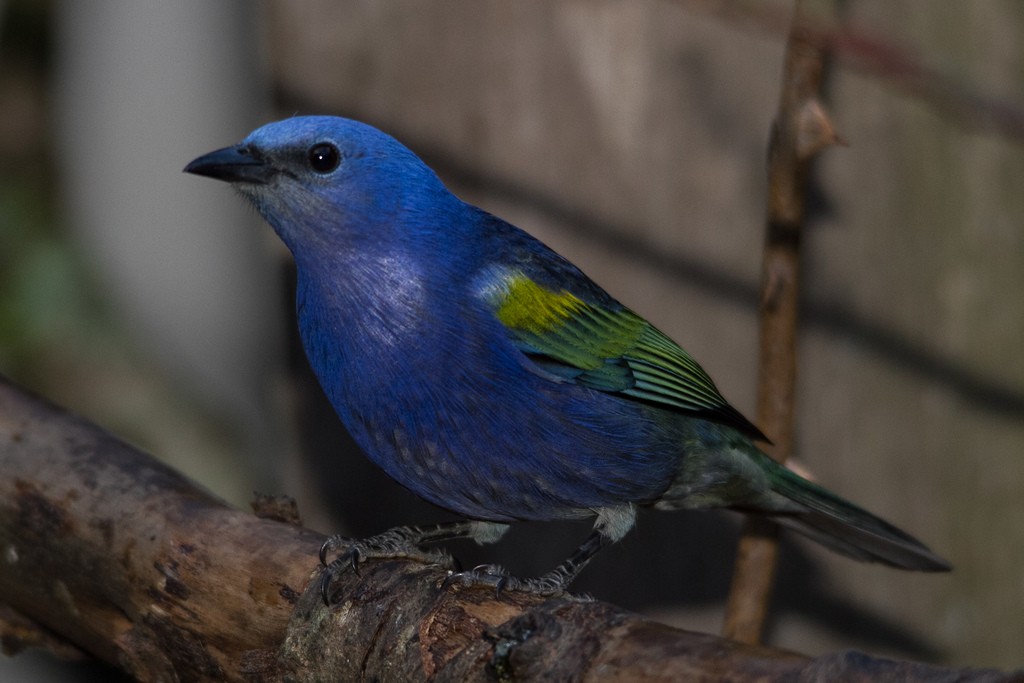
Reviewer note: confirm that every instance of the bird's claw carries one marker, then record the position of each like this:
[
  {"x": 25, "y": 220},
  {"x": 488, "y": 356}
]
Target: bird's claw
[
  {"x": 339, "y": 541},
  {"x": 327, "y": 577},
  {"x": 392, "y": 544}
]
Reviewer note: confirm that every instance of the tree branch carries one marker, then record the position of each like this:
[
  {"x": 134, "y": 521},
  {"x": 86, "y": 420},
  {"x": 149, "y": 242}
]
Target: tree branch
[
  {"x": 127, "y": 559},
  {"x": 106, "y": 551}
]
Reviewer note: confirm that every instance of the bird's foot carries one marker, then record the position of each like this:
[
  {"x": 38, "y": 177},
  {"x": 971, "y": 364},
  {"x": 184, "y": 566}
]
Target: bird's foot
[
  {"x": 549, "y": 585},
  {"x": 552, "y": 584},
  {"x": 398, "y": 543}
]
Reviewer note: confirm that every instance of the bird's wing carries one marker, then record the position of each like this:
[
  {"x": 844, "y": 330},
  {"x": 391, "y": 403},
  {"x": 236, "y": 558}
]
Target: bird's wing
[{"x": 607, "y": 347}]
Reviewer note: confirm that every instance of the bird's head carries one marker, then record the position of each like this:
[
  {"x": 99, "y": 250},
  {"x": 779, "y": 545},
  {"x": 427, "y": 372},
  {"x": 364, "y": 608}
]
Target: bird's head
[{"x": 327, "y": 184}]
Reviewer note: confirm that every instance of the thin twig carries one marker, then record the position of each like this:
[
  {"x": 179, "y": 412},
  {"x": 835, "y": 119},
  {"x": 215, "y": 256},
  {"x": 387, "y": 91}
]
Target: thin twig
[{"x": 801, "y": 130}]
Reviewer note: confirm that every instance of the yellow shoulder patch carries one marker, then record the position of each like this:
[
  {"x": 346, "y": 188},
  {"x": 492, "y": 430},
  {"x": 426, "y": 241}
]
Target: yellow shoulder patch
[{"x": 531, "y": 308}]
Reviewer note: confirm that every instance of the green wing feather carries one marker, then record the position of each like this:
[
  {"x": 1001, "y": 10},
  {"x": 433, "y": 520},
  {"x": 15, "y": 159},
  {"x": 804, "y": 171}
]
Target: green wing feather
[{"x": 608, "y": 349}]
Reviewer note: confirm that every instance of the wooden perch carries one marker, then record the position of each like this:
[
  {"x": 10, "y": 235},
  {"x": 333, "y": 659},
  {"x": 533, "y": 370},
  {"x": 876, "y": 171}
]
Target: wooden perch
[{"x": 106, "y": 551}]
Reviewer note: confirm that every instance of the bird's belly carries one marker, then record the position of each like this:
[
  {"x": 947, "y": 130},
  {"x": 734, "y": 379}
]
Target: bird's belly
[{"x": 504, "y": 458}]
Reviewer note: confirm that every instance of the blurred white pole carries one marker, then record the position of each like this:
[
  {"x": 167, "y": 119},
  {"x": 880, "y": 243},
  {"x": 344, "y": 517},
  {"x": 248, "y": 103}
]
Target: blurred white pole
[{"x": 142, "y": 87}]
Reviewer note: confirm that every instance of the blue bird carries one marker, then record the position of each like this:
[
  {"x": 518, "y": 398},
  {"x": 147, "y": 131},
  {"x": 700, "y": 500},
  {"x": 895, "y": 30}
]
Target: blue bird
[{"x": 490, "y": 376}]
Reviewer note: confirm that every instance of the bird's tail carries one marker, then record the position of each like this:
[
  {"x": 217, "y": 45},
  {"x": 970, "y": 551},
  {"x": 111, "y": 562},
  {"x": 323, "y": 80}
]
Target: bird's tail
[{"x": 845, "y": 528}]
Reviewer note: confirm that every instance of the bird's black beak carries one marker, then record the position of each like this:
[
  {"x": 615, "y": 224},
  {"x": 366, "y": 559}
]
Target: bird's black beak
[{"x": 238, "y": 164}]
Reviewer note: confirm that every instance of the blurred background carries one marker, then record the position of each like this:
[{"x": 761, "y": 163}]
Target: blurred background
[{"x": 628, "y": 134}]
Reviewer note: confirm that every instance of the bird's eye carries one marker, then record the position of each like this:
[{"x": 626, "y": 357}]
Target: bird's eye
[{"x": 324, "y": 157}]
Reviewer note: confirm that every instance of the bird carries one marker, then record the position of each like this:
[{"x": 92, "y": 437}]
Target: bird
[{"x": 490, "y": 376}]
